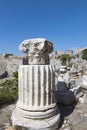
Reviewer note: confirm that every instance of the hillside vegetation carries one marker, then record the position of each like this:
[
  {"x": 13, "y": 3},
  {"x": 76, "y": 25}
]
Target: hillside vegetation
[{"x": 9, "y": 90}]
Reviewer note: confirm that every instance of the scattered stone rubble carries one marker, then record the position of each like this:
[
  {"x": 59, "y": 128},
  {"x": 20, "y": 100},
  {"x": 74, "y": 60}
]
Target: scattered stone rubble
[{"x": 71, "y": 92}]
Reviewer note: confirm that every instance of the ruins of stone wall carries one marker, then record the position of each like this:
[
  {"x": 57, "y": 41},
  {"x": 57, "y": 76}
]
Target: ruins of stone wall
[{"x": 9, "y": 65}]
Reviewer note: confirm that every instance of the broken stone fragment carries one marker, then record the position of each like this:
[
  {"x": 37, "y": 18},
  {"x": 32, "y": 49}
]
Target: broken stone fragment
[
  {"x": 37, "y": 50},
  {"x": 84, "y": 80},
  {"x": 66, "y": 97}
]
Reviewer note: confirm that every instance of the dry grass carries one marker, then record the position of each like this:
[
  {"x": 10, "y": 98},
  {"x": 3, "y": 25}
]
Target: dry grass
[{"x": 10, "y": 128}]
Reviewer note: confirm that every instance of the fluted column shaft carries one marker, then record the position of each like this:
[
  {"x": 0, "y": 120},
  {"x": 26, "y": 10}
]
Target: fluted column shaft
[{"x": 36, "y": 87}]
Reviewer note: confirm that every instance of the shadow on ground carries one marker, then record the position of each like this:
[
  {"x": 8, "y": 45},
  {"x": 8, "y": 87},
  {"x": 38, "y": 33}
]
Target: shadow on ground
[{"x": 64, "y": 112}]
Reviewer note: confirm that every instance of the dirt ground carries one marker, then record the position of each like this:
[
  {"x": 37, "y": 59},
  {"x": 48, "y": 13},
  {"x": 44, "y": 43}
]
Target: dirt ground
[{"x": 72, "y": 117}]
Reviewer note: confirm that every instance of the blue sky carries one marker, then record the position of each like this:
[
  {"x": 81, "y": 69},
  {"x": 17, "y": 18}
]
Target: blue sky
[{"x": 63, "y": 22}]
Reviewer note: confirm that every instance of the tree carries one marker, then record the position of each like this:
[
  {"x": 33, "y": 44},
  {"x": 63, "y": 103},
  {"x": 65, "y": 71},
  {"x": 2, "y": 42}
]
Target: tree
[
  {"x": 84, "y": 54},
  {"x": 65, "y": 58}
]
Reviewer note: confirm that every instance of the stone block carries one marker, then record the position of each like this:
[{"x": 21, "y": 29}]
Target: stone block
[
  {"x": 66, "y": 97},
  {"x": 61, "y": 86},
  {"x": 77, "y": 92}
]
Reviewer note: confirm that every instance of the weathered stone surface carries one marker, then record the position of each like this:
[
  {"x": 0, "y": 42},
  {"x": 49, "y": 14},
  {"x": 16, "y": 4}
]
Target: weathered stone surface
[
  {"x": 37, "y": 83},
  {"x": 66, "y": 97},
  {"x": 5, "y": 114},
  {"x": 66, "y": 77},
  {"x": 63, "y": 69},
  {"x": 77, "y": 91},
  {"x": 78, "y": 117},
  {"x": 72, "y": 83},
  {"x": 9, "y": 65},
  {"x": 36, "y": 107},
  {"x": 37, "y": 50},
  {"x": 83, "y": 99},
  {"x": 84, "y": 80},
  {"x": 36, "y": 98},
  {"x": 61, "y": 86}
]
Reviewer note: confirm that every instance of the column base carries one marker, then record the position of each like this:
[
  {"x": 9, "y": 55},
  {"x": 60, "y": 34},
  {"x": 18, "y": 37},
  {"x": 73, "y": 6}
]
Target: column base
[{"x": 50, "y": 123}]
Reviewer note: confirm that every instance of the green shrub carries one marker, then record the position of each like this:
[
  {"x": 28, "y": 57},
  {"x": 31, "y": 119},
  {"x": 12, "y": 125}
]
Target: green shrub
[
  {"x": 6, "y": 97},
  {"x": 15, "y": 74},
  {"x": 84, "y": 54},
  {"x": 65, "y": 58},
  {"x": 9, "y": 91}
]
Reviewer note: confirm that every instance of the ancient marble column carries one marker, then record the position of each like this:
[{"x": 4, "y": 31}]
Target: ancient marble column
[{"x": 36, "y": 107}]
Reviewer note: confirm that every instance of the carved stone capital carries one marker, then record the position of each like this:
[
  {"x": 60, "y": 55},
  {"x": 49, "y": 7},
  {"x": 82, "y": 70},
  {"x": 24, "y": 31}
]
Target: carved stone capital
[{"x": 37, "y": 50}]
